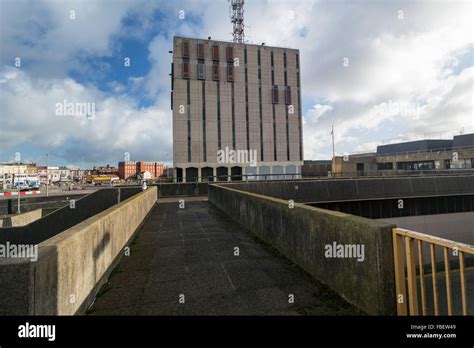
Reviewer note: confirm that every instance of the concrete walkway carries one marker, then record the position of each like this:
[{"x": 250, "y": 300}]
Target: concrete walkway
[{"x": 183, "y": 262}]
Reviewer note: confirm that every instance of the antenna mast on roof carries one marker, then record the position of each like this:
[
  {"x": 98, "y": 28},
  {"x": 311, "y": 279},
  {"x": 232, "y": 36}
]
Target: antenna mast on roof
[{"x": 237, "y": 19}]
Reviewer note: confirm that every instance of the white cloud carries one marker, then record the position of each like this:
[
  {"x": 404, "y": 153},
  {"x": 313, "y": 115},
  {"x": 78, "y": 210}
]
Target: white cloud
[
  {"x": 119, "y": 125},
  {"x": 422, "y": 59}
]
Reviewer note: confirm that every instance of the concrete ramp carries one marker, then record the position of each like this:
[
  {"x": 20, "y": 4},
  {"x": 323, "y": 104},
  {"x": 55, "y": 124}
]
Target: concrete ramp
[{"x": 185, "y": 262}]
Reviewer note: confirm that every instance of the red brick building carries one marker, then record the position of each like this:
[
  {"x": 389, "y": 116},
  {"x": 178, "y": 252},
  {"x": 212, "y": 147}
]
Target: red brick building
[
  {"x": 129, "y": 170},
  {"x": 126, "y": 170}
]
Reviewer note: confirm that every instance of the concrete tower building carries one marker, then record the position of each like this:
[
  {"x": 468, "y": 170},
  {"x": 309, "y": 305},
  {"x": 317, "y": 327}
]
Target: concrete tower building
[{"x": 236, "y": 110}]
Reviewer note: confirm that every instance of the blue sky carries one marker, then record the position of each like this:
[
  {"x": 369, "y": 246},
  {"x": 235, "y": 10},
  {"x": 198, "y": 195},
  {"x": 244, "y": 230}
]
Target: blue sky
[{"x": 393, "y": 50}]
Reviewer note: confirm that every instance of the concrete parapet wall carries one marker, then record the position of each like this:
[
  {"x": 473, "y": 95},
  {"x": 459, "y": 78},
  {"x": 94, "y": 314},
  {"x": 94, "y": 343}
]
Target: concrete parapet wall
[
  {"x": 28, "y": 203},
  {"x": 66, "y": 217},
  {"x": 72, "y": 265},
  {"x": 330, "y": 190},
  {"x": 182, "y": 189},
  {"x": 302, "y": 234},
  {"x": 21, "y": 219}
]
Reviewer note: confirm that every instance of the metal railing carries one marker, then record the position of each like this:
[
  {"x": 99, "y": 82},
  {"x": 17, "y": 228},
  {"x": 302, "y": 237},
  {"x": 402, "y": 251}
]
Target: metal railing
[
  {"x": 404, "y": 173},
  {"x": 406, "y": 283}
]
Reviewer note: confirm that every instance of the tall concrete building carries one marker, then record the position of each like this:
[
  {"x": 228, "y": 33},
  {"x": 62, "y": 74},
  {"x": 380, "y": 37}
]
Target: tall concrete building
[{"x": 236, "y": 110}]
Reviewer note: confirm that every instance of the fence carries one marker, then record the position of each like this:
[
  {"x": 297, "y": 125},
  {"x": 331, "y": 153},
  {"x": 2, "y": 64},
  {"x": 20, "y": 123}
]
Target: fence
[{"x": 406, "y": 284}]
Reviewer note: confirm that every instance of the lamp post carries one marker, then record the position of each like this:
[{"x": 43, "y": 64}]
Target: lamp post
[
  {"x": 83, "y": 172},
  {"x": 333, "y": 163},
  {"x": 47, "y": 177},
  {"x": 18, "y": 210}
]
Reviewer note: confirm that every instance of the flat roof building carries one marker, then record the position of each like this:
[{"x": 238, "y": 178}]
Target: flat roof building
[
  {"x": 420, "y": 155},
  {"x": 236, "y": 110}
]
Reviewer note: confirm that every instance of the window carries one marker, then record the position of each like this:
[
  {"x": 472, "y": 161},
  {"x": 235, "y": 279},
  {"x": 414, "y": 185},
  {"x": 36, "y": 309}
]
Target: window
[
  {"x": 230, "y": 73},
  {"x": 201, "y": 71},
  {"x": 215, "y": 52},
  {"x": 215, "y": 72},
  {"x": 200, "y": 51},
  {"x": 172, "y": 76},
  {"x": 288, "y": 95},
  {"x": 185, "y": 49},
  {"x": 185, "y": 70},
  {"x": 385, "y": 166},
  {"x": 275, "y": 94},
  {"x": 229, "y": 52}
]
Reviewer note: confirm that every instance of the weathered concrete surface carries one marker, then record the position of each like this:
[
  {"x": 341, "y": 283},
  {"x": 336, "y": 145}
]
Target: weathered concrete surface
[
  {"x": 66, "y": 217},
  {"x": 332, "y": 190},
  {"x": 9, "y": 205},
  {"x": 21, "y": 219},
  {"x": 457, "y": 226},
  {"x": 190, "y": 251},
  {"x": 182, "y": 189},
  {"x": 73, "y": 264},
  {"x": 302, "y": 233}
]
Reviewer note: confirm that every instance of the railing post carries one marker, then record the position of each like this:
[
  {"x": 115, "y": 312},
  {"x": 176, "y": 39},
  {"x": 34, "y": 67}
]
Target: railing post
[
  {"x": 422, "y": 278},
  {"x": 433, "y": 275},
  {"x": 400, "y": 287},
  {"x": 463, "y": 282},
  {"x": 448, "y": 281},
  {"x": 411, "y": 276}
]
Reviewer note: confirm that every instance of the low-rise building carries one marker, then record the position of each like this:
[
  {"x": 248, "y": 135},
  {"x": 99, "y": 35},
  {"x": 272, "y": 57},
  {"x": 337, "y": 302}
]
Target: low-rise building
[
  {"x": 428, "y": 154},
  {"x": 9, "y": 170},
  {"x": 146, "y": 175},
  {"x": 129, "y": 169},
  {"x": 419, "y": 155},
  {"x": 316, "y": 168}
]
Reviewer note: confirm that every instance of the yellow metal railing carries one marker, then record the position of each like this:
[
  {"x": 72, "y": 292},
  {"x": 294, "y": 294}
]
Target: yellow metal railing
[{"x": 406, "y": 283}]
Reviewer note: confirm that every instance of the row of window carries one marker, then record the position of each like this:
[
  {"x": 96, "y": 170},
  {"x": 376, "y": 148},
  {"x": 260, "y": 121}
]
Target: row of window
[
  {"x": 465, "y": 163},
  {"x": 229, "y": 51},
  {"x": 201, "y": 72}
]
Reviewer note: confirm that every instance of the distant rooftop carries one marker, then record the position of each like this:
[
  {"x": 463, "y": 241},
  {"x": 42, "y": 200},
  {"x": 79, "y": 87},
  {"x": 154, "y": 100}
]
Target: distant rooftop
[
  {"x": 465, "y": 140},
  {"x": 322, "y": 162},
  {"x": 231, "y": 42}
]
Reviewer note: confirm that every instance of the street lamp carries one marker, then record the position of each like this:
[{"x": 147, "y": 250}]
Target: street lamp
[
  {"x": 82, "y": 177},
  {"x": 19, "y": 191},
  {"x": 47, "y": 176}
]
